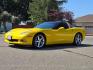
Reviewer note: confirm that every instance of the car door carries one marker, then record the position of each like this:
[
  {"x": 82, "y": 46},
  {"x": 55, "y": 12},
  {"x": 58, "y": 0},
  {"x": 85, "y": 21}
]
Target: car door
[
  {"x": 53, "y": 36},
  {"x": 68, "y": 33},
  {"x": 58, "y": 35},
  {"x": 64, "y": 33},
  {"x": 61, "y": 34}
]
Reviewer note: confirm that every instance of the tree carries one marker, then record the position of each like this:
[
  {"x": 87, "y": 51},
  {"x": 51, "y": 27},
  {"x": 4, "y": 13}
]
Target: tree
[
  {"x": 23, "y": 8},
  {"x": 57, "y": 15},
  {"x": 60, "y": 2},
  {"x": 16, "y": 7},
  {"x": 68, "y": 15},
  {"x": 39, "y": 8}
]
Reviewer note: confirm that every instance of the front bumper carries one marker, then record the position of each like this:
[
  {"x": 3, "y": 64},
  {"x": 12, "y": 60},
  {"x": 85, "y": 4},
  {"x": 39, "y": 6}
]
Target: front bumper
[{"x": 20, "y": 41}]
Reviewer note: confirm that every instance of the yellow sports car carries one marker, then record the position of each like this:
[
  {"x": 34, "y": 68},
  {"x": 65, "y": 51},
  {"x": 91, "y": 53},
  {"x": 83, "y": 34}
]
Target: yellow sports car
[{"x": 52, "y": 32}]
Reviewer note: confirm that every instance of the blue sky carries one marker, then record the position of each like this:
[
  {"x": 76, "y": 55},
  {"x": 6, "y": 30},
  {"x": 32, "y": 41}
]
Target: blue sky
[{"x": 79, "y": 7}]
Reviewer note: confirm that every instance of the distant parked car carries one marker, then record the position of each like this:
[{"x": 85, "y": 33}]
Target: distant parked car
[
  {"x": 53, "y": 32},
  {"x": 25, "y": 24}
]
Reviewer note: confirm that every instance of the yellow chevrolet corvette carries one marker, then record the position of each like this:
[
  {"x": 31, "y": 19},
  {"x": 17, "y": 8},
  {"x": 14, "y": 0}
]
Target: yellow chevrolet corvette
[{"x": 52, "y": 32}]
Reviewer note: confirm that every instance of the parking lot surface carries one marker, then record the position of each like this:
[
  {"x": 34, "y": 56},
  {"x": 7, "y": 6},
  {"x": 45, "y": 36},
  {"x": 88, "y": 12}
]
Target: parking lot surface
[{"x": 59, "y": 57}]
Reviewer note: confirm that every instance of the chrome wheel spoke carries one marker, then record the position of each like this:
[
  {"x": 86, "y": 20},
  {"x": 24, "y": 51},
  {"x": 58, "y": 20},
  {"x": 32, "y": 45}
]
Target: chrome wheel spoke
[
  {"x": 78, "y": 39},
  {"x": 38, "y": 38},
  {"x": 39, "y": 41},
  {"x": 38, "y": 45}
]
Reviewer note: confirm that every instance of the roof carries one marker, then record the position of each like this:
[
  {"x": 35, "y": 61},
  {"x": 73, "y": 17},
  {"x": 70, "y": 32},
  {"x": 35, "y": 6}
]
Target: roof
[
  {"x": 86, "y": 18},
  {"x": 55, "y": 21}
]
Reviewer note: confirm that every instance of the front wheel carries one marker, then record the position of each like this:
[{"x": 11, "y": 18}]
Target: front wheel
[
  {"x": 39, "y": 41},
  {"x": 77, "y": 39}
]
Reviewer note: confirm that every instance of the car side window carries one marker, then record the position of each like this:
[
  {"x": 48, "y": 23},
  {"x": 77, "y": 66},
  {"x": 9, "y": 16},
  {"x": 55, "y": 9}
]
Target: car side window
[
  {"x": 61, "y": 24},
  {"x": 57, "y": 26},
  {"x": 69, "y": 25},
  {"x": 65, "y": 25}
]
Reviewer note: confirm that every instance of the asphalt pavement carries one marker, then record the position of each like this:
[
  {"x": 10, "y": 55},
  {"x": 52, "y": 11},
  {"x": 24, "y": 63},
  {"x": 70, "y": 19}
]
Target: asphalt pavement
[{"x": 56, "y": 57}]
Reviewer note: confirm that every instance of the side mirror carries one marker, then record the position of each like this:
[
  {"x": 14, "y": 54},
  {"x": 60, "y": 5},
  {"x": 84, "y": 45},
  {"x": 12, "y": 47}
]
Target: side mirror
[{"x": 61, "y": 28}]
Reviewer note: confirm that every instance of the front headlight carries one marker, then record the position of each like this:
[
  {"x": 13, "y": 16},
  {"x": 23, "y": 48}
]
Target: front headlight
[{"x": 9, "y": 37}]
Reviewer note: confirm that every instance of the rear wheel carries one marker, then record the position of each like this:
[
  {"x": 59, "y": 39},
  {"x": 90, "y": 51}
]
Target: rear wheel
[
  {"x": 39, "y": 41},
  {"x": 77, "y": 39}
]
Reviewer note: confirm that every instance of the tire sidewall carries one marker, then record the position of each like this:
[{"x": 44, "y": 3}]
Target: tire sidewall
[{"x": 75, "y": 38}]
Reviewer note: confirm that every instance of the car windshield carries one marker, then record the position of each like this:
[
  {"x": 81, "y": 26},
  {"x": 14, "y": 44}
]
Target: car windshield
[{"x": 47, "y": 25}]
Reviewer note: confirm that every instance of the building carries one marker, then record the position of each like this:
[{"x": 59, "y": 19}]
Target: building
[{"x": 86, "y": 22}]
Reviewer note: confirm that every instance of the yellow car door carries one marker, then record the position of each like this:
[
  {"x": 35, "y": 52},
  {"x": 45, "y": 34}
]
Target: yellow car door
[
  {"x": 69, "y": 35},
  {"x": 60, "y": 34},
  {"x": 53, "y": 36},
  {"x": 65, "y": 33},
  {"x": 57, "y": 36}
]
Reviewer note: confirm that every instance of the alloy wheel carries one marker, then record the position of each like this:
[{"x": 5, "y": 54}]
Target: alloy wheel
[
  {"x": 39, "y": 41},
  {"x": 78, "y": 39}
]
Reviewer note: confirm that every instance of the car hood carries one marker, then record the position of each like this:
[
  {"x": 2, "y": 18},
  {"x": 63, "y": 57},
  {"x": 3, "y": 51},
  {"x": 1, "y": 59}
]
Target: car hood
[{"x": 22, "y": 31}]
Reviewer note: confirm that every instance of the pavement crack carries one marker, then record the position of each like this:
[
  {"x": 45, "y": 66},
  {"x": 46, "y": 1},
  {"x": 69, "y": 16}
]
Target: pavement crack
[{"x": 79, "y": 54}]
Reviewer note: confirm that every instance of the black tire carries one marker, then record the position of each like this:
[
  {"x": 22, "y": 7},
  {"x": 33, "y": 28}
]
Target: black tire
[
  {"x": 77, "y": 39},
  {"x": 39, "y": 41}
]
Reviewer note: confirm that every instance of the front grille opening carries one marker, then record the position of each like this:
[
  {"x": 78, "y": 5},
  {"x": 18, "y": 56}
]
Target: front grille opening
[{"x": 14, "y": 40}]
